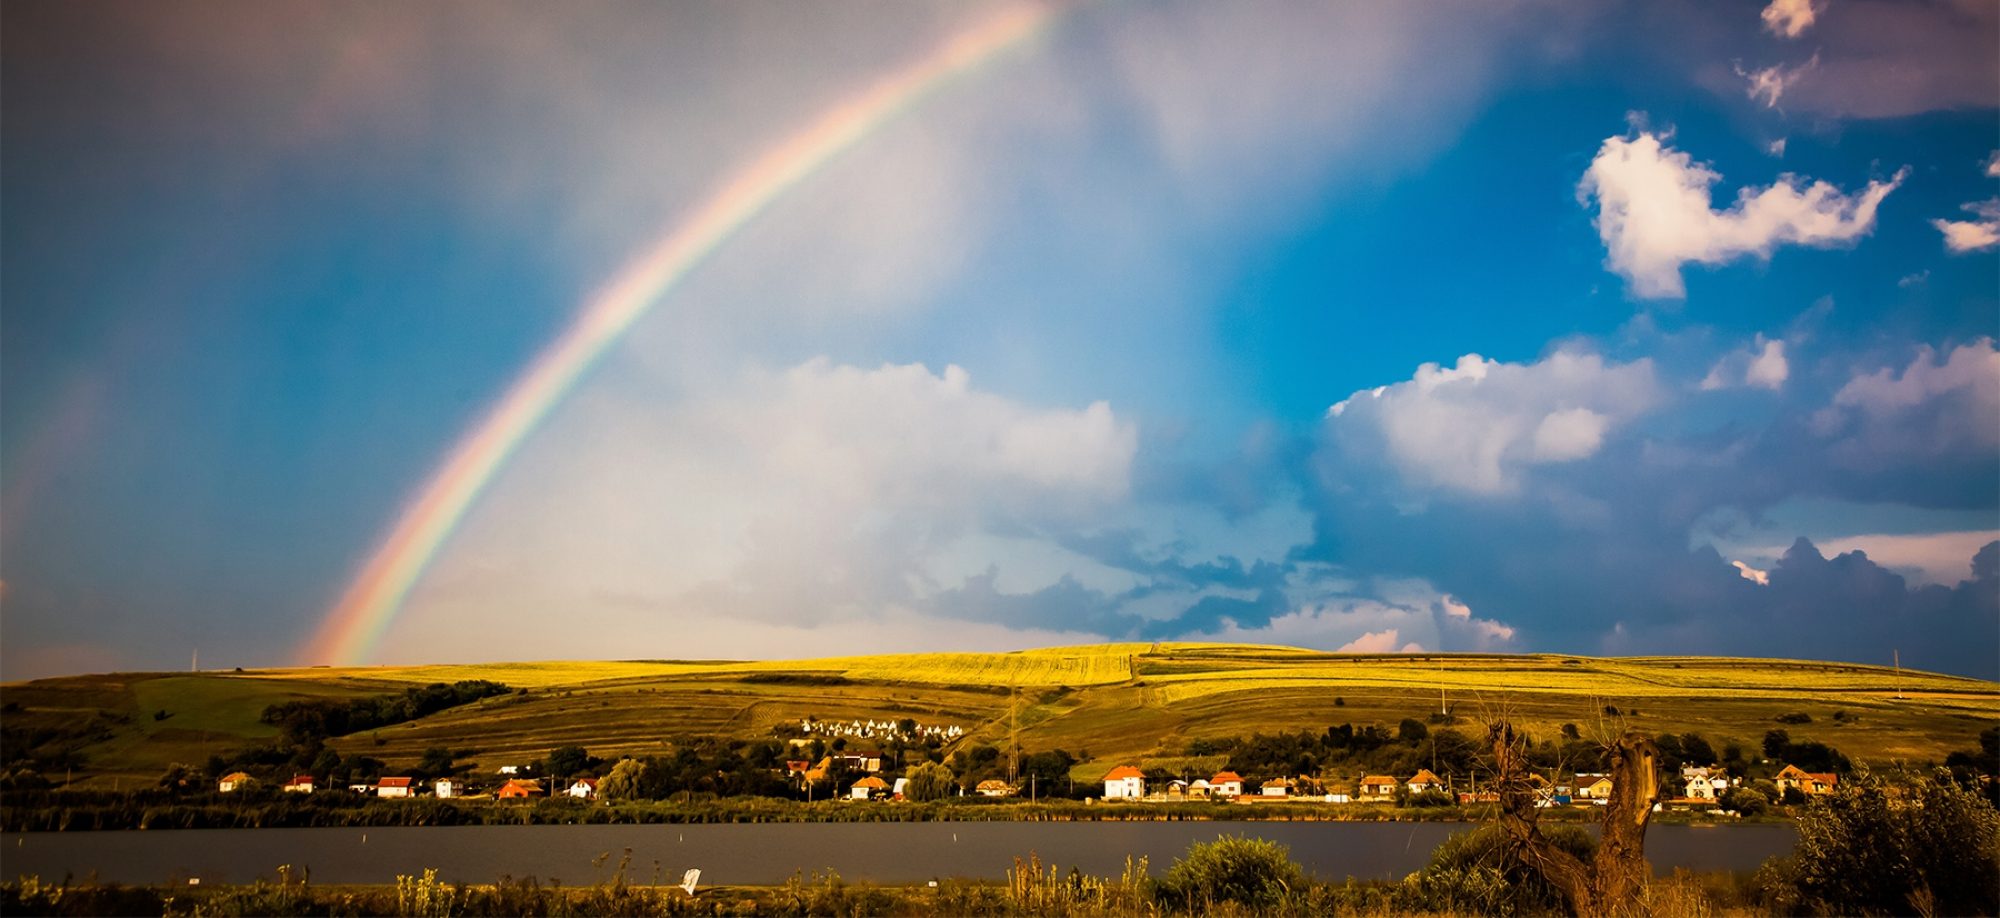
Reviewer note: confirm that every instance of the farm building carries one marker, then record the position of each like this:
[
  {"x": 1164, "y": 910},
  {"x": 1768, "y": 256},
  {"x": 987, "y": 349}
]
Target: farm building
[
  {"x": 394, "y": 787},
  {"x": 994, "y": 787},
  {"x": 1226, "y": 784},
  {"x": 867, "y": 788},
  {"x": 1124, "y": 783},
  {"x": 299, "y": 784},
  {"x": 234, "y": 781},
  {"x": 1424, "y": 780},
  {"x": 1378, "y": 787}
]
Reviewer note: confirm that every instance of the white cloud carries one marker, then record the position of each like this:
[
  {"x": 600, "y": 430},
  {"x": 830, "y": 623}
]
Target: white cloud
[
  {"x": 1405, "y": 616},
  {"x": 1758, "y": 577},
  {"x": 1937, "y": 406},
  {"x": 1965, "y": 236},
  {"x": 1764, "y": 366},
  {"x": 1769, "y": 84},
  {"x": 1993, "y": 165},
  {"x": 1789, "y": 18},
  {"x": 1478, "y": 425},
  {"x": 818, "y": 494},
  {"x": 1776, "y": 148},
  {"x": 1654, "y": 213}
]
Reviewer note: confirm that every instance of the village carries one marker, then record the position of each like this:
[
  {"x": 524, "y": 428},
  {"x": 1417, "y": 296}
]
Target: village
[{"x": 843, "y": 769}]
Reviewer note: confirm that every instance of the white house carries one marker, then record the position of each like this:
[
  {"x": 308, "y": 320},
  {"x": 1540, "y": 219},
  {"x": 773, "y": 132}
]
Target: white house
[
  {"x": 394, "y": 787},
  {"x": 1277, "y": 787},
  {"x": 234, "y": 781},
  {"x": 583, "y": 789},
  {"x": 449, "y": 787},
  {"x": 1124, "y": 783},
  {"x": 1226, "y": 784},
  {"x": 1424, "y": 780},
  {"x": 299, "y": 784}
]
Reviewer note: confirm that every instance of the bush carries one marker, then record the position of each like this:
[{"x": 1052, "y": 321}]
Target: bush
[
  {"x": 1745, "y": 800},
  {"x": 1250, "y": 872},
  {"x": 1795, "y": 717},
  {"x": 1910, "y": 844},
  {"x": 1481, "y": 872},
  {"x": 929, "y": 781}
]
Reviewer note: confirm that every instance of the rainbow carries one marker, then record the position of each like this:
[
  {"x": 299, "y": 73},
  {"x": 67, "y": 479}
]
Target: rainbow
[{"x": 371, "y": 603}]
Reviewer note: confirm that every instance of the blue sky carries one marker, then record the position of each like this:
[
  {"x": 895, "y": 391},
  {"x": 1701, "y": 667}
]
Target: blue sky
[{"x": 1615, "y": 315}]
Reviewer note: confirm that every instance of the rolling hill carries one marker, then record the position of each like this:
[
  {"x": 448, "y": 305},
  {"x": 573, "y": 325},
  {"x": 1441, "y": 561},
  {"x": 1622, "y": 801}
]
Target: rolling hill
[{"x": 1105, "y": 703}]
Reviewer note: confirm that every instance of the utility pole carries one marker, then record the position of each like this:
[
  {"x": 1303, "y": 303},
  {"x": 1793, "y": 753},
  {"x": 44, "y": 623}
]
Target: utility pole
[
  {"x": 1014, "y": 735},
  {"x": 195, "y": 665},
  {"x": 1897, "y": 655},
  {"x": 1442, "y": 710}
]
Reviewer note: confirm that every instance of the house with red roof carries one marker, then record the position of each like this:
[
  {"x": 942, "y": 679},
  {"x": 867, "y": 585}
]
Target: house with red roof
[
  {"x": 1126, "y": 782},
  {"x": 299, "y": 784},
  {"x": 1226, "y": 784},
  {"x": 395, "y": 787},
  {"x": 1378, "y": 787},
  {"x": 1812, "y": 784}
]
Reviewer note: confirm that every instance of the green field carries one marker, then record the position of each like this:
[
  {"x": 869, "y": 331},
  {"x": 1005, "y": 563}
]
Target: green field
[{"x": 1105, "y": 703}]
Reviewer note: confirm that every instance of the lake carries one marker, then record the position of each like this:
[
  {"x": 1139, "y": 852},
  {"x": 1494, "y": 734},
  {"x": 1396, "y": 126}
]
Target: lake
[{"x": 767, "y": 854}]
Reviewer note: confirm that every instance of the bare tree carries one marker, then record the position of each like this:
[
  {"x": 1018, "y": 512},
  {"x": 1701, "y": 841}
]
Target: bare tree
[{"x": 1612, "y": 882}]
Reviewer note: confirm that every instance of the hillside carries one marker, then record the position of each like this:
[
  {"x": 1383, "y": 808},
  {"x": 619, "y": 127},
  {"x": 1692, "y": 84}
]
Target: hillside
[{"x": 1104, "y": 703}]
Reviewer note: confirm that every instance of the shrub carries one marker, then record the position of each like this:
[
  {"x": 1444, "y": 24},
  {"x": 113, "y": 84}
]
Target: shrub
[
  {"x": 1481, "y": 872},
  {"x": 1891, "y": 846},
  {"x": 1796, "y": 717},
  {"x": 1250, "y": 872},
  {"x": 929, "y": 781}
]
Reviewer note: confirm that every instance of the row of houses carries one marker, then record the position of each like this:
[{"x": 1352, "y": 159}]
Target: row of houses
[
  {"x": 884, "y": 729},
  {"x": 399, "y": 786},
  {"x": 1698, "y": 783}
]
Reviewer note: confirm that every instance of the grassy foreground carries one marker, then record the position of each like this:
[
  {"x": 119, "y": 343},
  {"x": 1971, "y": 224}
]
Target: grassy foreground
[{"x": 1110, "y": 704}]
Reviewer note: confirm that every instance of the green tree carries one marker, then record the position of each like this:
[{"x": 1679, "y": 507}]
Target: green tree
[
  {"x": 624, "y": 782},
  {"x": 1249, "y": 872},
  {"x": 1907, "y": 844},
  {"x": 929, "y": 781},
  {"x": 436, "y": 762},
  {"x": 1412, "y": 730},
  {"x": 567, "y": 761}
]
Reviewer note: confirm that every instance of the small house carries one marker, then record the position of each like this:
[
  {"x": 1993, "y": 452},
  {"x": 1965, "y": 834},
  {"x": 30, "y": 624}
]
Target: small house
[
  {"x": 1177, "y": 788},
  {"x": 1378, "y": 787},
  {"x": 1424, "y": 780},
  {"x": 1277, "y": 787},
  {"x": 519, "y": 789},
  {"x": 447, "y": 788},
  {"x": 395, "y": 787},
  {"x": 1226, "y": 784},
  {"x": 1701, "y": 787},
  {"x": 1199, "y": 788},
  {"x": 1808, "y": 783},
  {"x": 867, "y": 788},
  {"x": 582, "y": 789},
  {"x": 994, "y": 787},
  {"x": 234, "y": 781},
  {"x": 1125, "y": 782},
  {"x": 1594, "y": 787},
  {"x": 299, "y": 784}
]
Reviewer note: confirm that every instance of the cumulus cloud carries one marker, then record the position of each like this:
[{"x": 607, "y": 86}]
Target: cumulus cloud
[
  {"x": 1993, "y": 165},
  {"x": 820, "y": 493},
  {"x": 1937, "y": 405},
  {"x": 1477, "y": 426},
  {"x": 1763, "y": 366},
  {"x": 1789, "y": 18},
  {"x": 1654, "y": 213},
  {"x": 1976, "y": 235},
  {"x": 1769, "y": 84},
  {"x": 1407, "y": 616}
]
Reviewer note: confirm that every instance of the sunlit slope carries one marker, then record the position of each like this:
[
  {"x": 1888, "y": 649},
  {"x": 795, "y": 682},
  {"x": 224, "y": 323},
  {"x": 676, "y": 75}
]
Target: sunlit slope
[{"x": 1113, "y": 702}]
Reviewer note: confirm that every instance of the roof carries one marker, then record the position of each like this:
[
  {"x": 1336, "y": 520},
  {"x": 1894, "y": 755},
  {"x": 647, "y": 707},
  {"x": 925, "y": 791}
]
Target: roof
[
  {"x": 1424, "y": 776},
  {"x": 993, "y": 784},
  {"x": 587, "y": 782},
  {"x": 1375, "y": 780},
  {"x": 1825, "y": 777},
  {"x": 1124, "y": 771},
  {"x": 1793, "y": 770},
  {"x": 301, "y": 779},
  {"x": 1278, "y": 782},
  {"x": 236, "y": 776},
  {"x": 1227, "y": 776},
  {"x": 393, "y": 782},
  {"x": 873, "y": 783},
  {"x": 533, "y": 784}
]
